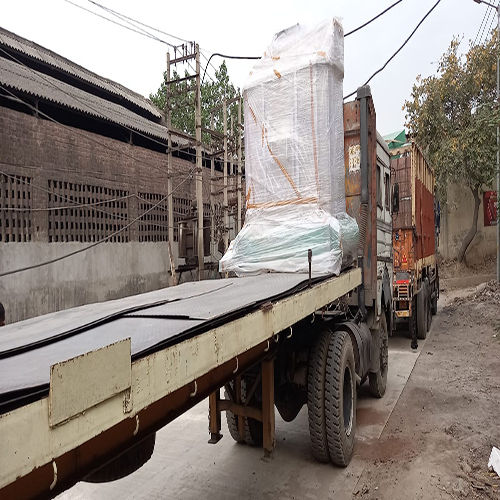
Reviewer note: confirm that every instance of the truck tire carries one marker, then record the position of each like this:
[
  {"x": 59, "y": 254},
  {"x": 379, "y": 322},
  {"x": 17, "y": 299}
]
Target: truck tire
[
  {"x": 252, "y": 429},
  {"x": 428, "y": 304},
  {"x": 378, "y": 380},
  {"x": 434, "y": 300},
  {"x": 340, "y": 398},
  {"x": 422, "y": 312},
  {"x": 126, "y": 463},
  {"x": 316, "y": 396}
]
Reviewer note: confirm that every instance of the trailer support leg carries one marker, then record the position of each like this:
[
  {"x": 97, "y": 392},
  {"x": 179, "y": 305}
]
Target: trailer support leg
[
  {"x": 214, "y": 417},
  {"x": 268, "y": 406}
]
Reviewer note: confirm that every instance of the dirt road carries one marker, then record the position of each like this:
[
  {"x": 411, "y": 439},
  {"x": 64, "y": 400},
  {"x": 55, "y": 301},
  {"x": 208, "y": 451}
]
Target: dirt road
[
  {"x": 438, "y": 439},
  {"x": 429, "y": 437}
]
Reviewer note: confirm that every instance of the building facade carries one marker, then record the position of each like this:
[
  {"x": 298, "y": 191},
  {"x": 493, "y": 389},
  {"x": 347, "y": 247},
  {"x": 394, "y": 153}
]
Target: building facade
[{"x": 83, "y": 161}]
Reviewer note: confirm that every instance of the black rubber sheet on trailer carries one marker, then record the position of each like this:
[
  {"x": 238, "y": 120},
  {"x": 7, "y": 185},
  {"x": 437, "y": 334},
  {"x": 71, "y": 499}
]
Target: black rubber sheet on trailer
[{"x": 152, "y": 320}]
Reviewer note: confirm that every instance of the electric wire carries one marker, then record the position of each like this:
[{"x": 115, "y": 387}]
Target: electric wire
[
  {"x": 488, "y": 31},
  {"x": 399, "y": 49},
  {"x": 98, "y": 242},
  {"x": 117, "y": 23},
  {"x": 480, "y": 26},
  {"x": 55, "y": 209},
  {"x": 226, "y": 57},
  {"x": 137, "y": 22},
  {"x": 130, "y": 21},
  {"x": 371, "y": 20}
]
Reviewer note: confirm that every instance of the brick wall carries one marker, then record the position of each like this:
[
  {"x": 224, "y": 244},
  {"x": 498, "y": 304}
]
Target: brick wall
[{"x": 104, "y": 183}]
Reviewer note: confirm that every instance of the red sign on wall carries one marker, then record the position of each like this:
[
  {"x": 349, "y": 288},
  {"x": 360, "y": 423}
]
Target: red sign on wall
[{"x": 490, "y": 208}]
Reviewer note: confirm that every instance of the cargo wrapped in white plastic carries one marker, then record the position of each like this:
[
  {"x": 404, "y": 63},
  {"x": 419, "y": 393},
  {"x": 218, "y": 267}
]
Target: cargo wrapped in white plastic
[{"x": 294, "y": 158}]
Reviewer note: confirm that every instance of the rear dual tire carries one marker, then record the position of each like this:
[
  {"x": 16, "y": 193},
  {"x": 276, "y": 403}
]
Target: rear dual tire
[
  {"x": 331, "y": 401},
  {"x": 422, "y": 312},
  {"x": 378, "y": 380},
  {"x": 252, "y": 429}
]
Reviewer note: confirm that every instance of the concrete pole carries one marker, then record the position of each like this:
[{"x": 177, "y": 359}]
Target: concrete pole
[
  {"x": 498, "y": 145},
  {"x": 199, "y": 168},
  {"x": 212, "y": 204},
  {"x": 238, "y": 178},
  {"x": 170, "y": 200},
  {"x": 232, "y": 181},
  {"x": 224, "y": 201}
]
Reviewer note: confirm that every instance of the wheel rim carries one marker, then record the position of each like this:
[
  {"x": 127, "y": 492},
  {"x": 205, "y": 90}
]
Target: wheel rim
[{"x": 348, "y": 405}]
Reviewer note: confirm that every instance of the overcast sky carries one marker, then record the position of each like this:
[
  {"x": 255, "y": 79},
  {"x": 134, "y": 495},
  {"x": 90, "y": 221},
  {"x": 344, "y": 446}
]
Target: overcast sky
[{"x": 246, "y": 28}]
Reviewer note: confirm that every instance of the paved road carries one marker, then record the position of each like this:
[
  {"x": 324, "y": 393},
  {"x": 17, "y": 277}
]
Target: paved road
[{"x": 185, "y": 466}]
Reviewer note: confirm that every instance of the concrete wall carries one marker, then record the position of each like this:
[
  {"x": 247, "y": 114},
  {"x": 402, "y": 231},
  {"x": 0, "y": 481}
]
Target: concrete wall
[
  {"x": 108, "y": 271},
  {"x": 456, "y": 219}
]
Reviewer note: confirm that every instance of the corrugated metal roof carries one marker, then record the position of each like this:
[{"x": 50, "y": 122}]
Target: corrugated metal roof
[
  {"x": 46, "y": 56},
  {"x": 27, "y": 80}
]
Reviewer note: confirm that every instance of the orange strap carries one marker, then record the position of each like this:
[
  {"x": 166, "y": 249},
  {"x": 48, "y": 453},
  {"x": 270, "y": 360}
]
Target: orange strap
[
  {"x": 282, "y": 203},
  {"x": 275, "y": 158}
]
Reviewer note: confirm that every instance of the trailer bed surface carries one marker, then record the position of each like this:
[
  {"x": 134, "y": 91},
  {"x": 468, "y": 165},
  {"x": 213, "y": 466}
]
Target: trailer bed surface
[{"x": 152, "y": 321}]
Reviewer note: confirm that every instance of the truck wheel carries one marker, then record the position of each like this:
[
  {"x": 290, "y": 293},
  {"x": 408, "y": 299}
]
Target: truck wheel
[
  {"x": 428, "y": 304},
  {"x": 378, "y": 380},
  {"x": 434, "y": 300},
  {"x": 422, "y": 312},
  {"x": 252, "y": 429},
  {"x": 316, "y": 396},
  {"x": 340, "y": 398}
]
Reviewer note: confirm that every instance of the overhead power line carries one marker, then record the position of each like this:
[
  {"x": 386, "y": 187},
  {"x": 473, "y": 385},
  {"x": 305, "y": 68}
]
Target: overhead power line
[
  {"x": 133, "y": 26},
  {"x": 227, "y": 57},
  {"x": 117, "y": 23},
  {"x": 399, "y": 49},
  {"x": 97, "y": 4},
  {"x": 486, "y": 12},
  {"x": 372, "y": 19}
]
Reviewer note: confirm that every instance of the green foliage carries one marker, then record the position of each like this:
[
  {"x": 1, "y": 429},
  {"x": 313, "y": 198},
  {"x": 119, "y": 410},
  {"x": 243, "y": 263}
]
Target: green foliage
[
  {"x": 212, "y": 94},
  {"x": 453, "y": 115}
]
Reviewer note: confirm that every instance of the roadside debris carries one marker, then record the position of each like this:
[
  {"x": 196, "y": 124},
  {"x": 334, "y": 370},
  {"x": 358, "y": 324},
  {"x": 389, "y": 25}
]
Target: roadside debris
[{"x": 485, "y": 292}]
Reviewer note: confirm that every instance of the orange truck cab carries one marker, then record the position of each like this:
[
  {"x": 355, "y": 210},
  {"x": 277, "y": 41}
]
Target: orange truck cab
[{"x": 416, "y": 278}]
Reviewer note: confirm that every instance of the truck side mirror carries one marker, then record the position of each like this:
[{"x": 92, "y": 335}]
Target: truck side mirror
[{"x": 395, "y": 198}]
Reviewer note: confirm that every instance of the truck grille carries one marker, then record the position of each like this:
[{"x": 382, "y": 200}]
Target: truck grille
[{"x": 403, "y": 292}]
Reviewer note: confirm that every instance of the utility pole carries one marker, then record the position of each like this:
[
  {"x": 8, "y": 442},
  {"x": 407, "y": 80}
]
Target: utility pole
[
  {"x": 232, "y": 182},
  {"x": 224, "y": 200},
  {"x": 238, "y": 177},
  {"x": 170, "y": 200},
  {"x": 189, "y": 51},
  {"x": 199, "y": 169},
  {"x": 212, "y": 204},
  {"x": 497, "y": 8}
]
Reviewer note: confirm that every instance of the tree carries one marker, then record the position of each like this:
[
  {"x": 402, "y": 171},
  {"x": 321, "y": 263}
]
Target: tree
[
  {"x": 453, "y": 115},
  {"x": 212, "y": 94}
]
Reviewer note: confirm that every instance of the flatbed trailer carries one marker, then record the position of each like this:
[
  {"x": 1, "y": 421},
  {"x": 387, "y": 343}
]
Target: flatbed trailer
[
  {"x": 83, "y": 391},
  {"x": 101, "y": 403}
]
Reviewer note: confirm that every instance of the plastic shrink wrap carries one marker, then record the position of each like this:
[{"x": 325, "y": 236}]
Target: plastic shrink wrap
[{"x": 294, "y": 158}]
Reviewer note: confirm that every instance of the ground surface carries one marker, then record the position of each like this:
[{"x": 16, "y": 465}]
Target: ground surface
[
  {"x": 429, "y": 437},
  {"x": 437, "y": 442}
]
